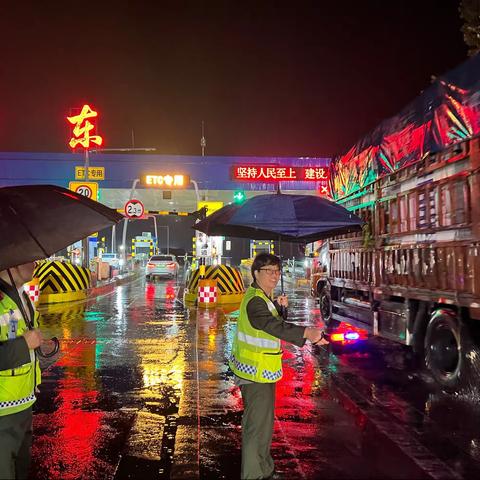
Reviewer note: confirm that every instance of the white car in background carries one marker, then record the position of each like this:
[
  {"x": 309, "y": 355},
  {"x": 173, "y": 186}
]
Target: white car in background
[{"x": 162, "y": 266}]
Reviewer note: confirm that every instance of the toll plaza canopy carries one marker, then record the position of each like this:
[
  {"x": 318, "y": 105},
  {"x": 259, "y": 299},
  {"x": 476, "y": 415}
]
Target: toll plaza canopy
[
  {"x": 447, "y": 112},
  {"x": 215, "y": 176}
]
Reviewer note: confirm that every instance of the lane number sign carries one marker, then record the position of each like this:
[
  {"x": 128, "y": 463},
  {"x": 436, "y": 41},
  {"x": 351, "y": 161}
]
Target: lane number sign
[
  {"x": 134, "y": 209},
  {"x": 87, "y": 189}
]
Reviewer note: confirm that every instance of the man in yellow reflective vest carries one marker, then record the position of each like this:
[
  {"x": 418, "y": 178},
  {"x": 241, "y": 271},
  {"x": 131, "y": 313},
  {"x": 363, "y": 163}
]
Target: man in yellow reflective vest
[
  {"x": 19, "y": 372},
  {"x": 256, "y": 361}
]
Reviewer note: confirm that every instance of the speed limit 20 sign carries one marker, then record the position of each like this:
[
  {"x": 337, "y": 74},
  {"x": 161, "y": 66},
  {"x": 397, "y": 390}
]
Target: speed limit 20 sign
[
  {"x": 87, "y": 189},
  {"x": 134, "y": 209}
]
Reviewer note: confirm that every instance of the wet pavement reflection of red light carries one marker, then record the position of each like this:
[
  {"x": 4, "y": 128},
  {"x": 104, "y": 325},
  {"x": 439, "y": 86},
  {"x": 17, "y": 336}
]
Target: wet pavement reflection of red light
[
  {"x": 141, "y": 389},
  {"x": 150, "y": 293},
  {"x": 73, "y": 434}
]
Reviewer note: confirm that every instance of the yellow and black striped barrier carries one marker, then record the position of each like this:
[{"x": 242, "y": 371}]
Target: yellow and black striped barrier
[
  {"x": 163, "y": 212},
  {"x": 61, "y": 281},
  {"x": 229, "y": 283}
]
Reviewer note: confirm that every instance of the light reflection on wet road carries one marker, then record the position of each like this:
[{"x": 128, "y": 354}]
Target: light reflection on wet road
[{"x": 124, "y": 399}]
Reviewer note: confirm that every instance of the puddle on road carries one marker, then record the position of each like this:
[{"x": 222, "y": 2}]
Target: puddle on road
[
  {"x": 124, "y": 388},
  {"x": 114, "y": 389},
  {"x": 447, "y": 424}
]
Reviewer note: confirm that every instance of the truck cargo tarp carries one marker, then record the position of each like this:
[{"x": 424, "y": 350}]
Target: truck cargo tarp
[{"x": 447, "y": 112}]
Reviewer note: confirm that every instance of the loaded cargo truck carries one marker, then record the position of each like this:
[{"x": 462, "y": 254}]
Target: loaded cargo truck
[{"x": 413, "y": 274}]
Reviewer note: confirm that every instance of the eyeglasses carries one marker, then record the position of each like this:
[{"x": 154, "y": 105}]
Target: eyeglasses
[{"x": 271, "y": 272}]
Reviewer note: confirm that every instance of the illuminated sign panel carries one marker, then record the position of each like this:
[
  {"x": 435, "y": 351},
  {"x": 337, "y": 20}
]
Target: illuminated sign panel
[
  {"x": 83, "y": 127},
  {"x": 167, "y": 180},
  {"x": 87, "y": 189},
  {"x": 315, "y": 174},
  {"x": 269, "y": 173},
  {"x": 264, "y": 173},
  {"x": 94, "y": 173},
  {"x": 211, "y": 206}
]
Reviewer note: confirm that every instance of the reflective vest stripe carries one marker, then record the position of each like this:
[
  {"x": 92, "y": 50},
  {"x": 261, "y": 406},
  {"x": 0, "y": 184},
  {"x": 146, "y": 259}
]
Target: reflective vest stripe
[
  {"x": 273, "y": 376},
  {"x": 4, "y": 319},
  {"x": 256, "y": 355},
  {"x": 272, "y": 308},
  {"x": 16, "y": 403},
  {"x": 258, "y": 342},
  {"x": 17, "y": 390},
  {"x": 243, "y": 367}
]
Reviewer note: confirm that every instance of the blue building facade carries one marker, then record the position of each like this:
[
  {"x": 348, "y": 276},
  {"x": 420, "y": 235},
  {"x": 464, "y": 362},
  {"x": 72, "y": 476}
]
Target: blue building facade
[{"x": 210, "y": 172}]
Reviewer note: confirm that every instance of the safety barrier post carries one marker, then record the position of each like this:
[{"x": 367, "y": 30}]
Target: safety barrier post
[{"x": 207, "y": 292}]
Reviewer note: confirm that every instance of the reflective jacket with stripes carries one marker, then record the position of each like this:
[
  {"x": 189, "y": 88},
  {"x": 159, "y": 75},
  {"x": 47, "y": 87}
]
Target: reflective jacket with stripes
[
  {"x": 17, "y": 384},
  {"x": 256, "y": 355}
]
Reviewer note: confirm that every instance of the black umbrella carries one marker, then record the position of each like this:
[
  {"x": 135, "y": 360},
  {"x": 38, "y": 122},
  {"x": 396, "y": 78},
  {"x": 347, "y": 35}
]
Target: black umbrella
[
  {"x": 293, "y": 218},
  {"x": 38, "y": 220}
]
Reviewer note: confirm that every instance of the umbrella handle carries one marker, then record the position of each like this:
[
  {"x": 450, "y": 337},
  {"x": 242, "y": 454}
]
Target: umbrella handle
[
  {"x": 55, "y": 350},
  {"x": 283, "y": 309}
]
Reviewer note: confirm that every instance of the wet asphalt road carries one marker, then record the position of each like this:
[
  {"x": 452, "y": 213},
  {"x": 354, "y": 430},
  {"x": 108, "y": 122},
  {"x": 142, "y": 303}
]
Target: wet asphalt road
[{"x": 140, "y": 389}]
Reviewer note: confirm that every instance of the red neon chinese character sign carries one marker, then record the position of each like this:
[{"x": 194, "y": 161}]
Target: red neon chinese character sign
[{"x": 82, "y": 129}]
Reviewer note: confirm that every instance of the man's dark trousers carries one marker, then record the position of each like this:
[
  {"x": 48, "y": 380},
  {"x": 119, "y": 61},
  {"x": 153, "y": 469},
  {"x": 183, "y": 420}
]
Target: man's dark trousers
[
  {"x": 15, "y": 443},
  {"x": 257, "y": 429}
]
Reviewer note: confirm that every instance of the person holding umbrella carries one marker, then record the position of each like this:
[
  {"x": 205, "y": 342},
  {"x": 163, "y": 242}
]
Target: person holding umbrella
[
  {"x": 38, "y": 220},
  {"x": 19, "y": 370},
  {"x": 256, "y": 361}
]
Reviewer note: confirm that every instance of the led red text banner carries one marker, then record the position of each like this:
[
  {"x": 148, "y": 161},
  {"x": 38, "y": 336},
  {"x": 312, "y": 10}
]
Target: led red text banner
[{"x": 269, "y": 173}]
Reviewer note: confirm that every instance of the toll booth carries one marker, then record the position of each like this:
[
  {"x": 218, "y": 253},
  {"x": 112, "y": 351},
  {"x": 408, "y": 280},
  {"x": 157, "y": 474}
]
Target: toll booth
[
  {"x": 208, "y": 250},
  {"x": 143, "y": 247},
  {"x": 261, "y": 246}
]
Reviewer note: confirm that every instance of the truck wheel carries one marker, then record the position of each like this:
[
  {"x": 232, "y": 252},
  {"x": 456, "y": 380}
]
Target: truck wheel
[
  {"x": 447, "y": 346},
  {"x": 325, "y": 306},
  {"x": 418, "y": 342}
]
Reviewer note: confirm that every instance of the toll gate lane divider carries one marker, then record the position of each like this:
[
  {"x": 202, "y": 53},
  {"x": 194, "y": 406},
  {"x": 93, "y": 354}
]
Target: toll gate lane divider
[
  {"x": 62, "y": 282},
  {"x": 109, "y": 286},
  {"x": 229, "y": 282}
]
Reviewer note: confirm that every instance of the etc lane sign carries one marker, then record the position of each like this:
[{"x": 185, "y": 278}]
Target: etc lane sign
[
  {"x": 167, "y": 180},
  {"x": 94, "y": 173}
]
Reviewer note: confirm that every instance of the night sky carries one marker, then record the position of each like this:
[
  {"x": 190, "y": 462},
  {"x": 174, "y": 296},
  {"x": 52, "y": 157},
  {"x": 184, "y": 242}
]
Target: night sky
[{"x": 268, "y": 78}]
